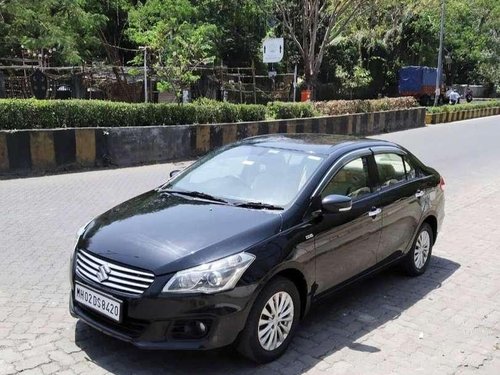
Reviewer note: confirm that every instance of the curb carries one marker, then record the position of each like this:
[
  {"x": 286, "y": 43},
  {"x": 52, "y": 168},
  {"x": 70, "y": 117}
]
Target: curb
[{"x": 443, "y": 117}]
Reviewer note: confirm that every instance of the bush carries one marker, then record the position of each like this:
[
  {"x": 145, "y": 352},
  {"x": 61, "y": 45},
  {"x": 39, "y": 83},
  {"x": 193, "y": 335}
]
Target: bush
[
  {"x": 250, "y": 112},
  {"x": 282, "y": 110},
  {"x": 342, "y": 107},
  {"x": 49, "y": 114},
  {"x": 464, "y": 107}
]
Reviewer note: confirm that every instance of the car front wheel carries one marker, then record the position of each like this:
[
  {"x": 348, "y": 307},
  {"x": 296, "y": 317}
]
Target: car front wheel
[
  {"x": 272, "y": 321},
  {"x": 418, "y": 258}
]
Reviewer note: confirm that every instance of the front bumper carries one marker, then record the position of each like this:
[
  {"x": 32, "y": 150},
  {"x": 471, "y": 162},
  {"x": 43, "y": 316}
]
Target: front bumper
[{"x": 155, "y": 321}]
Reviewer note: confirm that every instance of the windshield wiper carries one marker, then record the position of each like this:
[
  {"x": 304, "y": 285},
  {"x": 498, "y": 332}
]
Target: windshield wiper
[
  {"x": 259, "y": 205},
  {"x": 196, "y": 194},
  {"x": 199, "y": 194}
]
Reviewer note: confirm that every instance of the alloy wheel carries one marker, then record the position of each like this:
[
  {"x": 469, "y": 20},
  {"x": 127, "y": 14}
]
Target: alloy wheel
[
  {"x": 422, "y": 249},
  {"x": 276, "y": 321}
]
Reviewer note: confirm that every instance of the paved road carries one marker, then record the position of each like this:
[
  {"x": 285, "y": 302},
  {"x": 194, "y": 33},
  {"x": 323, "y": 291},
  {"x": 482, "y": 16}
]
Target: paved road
[{"x": 445, "y": 322}]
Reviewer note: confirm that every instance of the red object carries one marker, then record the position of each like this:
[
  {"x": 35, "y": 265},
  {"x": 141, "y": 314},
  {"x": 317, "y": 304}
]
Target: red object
[
  {"x": 305, "y": 95},
  {"x": 441, "y": 183}
]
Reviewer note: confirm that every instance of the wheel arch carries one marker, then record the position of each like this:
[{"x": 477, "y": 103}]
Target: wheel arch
[
  {"x": 432, "y": 221},
  {"x": 298, "y": 278}
]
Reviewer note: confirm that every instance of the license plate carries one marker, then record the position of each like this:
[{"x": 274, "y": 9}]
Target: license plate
[{"x": 101, "y": 303}]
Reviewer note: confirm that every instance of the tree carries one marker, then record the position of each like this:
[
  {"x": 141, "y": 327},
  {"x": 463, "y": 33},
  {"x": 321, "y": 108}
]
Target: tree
[
  {"x": 472, "y": 39},
  {"x": 313, "y": 25},
  {"x": 470, "y": 29},
  {"x": 44, "y": 24},
  {"x": 178, "y": 41},
  {"x": 359, "y": 78},
  {"x": 241, "y": 26},
  {"x": 111, "y": 33},
  {"x": 393, "y": 34},
  {"x": 379, "y": 36},
  {"x": 4, "y": 28},
  {"x": 388, "y": 35}
]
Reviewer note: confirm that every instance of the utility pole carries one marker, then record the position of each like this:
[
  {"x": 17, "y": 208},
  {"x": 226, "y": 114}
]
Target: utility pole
[
  {"x": 145, "y": 49},
  {"x": 440, "y": 55},
  {"x": 295, "y": 83}
]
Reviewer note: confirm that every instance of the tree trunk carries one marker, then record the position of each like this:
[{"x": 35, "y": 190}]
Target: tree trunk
[
  {"x": 310, "y": 76},
  {"x": 311, "y": 25}
]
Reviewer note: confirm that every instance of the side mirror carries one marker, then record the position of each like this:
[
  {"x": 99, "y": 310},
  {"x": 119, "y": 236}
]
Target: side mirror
[
  {"x": 336, "y": 203},
  {"x": 174, "y": 173}
]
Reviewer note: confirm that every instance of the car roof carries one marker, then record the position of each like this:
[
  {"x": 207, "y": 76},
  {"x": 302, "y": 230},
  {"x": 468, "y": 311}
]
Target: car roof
[{"x": 325, "y": 144}]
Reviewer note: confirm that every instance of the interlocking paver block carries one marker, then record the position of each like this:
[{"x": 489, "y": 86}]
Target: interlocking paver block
[{"x": 444, "y": 322}]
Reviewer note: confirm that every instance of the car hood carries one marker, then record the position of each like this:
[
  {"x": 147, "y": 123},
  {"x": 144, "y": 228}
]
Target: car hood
[{"x": 166, "y": 233}]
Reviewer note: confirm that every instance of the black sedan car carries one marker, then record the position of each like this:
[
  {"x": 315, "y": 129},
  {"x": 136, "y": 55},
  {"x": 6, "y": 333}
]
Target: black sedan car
[{"x": 235, "y": 248}]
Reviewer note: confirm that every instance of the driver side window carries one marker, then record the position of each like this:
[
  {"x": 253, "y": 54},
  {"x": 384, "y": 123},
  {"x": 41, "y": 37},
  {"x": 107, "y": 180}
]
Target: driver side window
[{"x": 352, "y": 180}]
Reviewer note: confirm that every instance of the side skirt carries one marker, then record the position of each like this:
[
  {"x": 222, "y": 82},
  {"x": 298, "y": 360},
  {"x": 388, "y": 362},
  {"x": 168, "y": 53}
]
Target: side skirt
[{"x": 386, "y": 263}]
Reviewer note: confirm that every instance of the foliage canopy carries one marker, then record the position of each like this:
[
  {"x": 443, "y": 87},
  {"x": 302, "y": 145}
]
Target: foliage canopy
[{"x": 343, "y": 42}]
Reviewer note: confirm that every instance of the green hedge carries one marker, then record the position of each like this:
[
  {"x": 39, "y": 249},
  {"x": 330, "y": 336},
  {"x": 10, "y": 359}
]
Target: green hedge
[
  {"x": 464, "y": 107},
  {"x": 342, "y": 107},
  {"x": 47, "y": 114},
  {"x": 283, "y": 110}
]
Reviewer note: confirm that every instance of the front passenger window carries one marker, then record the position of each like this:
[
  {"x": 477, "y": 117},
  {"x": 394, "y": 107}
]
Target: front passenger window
[{"x": 351, "y": 180}]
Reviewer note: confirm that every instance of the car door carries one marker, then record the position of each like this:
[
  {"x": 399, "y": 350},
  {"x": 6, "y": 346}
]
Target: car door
[
  {"x": 400, "y": 195},
  {"x": 346, "y": 242}
]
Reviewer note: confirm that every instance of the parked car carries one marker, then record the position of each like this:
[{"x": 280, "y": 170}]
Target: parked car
[{"x": 235, "y": 248}]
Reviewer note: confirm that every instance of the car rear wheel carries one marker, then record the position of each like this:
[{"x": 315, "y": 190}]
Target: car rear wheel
[
  {"x": 418, "y": 258},
  {"x": 272, "y": 322}
]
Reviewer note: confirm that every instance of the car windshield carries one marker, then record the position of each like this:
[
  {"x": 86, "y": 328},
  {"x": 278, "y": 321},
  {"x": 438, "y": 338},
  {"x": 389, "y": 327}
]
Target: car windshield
[{"x": 250, "y": 173}]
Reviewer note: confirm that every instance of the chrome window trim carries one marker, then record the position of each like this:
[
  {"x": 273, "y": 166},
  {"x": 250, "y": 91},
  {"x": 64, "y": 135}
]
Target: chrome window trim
[{"x": 337, "y": 165}]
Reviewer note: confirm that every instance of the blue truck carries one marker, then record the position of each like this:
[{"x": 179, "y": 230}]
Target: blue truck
[{"x": 420, "y": 82}]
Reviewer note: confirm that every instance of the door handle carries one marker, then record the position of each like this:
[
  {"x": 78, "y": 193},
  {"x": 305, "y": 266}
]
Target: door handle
[
  {"x": 419, "y": 193},
  {"x": 374, "y": 212}
]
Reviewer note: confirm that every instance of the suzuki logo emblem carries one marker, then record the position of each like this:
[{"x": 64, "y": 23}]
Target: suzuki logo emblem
[{"x": 103, "y": 273}]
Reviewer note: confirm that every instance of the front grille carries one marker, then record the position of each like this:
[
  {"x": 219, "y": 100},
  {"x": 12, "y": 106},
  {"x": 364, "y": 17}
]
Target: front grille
[{"x": 119, "y": 278}]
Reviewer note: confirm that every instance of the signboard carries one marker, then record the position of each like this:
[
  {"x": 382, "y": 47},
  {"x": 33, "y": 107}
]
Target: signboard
[{"x": 273, "y": 50}]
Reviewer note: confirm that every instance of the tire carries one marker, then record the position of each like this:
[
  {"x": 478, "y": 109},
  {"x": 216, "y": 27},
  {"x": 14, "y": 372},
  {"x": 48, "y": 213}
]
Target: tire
[
  {"x": 418, "y": 258},
  {"x": 249, "y": 344}
]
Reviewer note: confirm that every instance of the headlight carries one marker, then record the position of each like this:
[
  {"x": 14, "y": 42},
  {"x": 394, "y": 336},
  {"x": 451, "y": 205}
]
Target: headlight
[{"x": 212, "y": 277}]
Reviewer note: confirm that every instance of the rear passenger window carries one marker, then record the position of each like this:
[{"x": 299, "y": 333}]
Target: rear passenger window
[
  {"x": 391, "y": 169},
  {"x": 352, "y": 180},
  {"x": 411, "y": 173}
]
